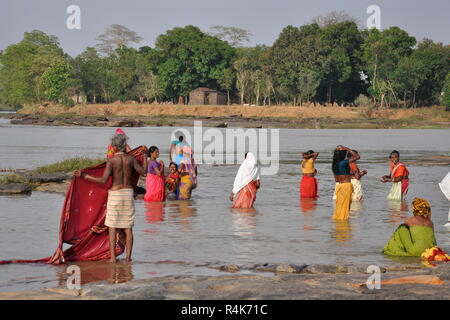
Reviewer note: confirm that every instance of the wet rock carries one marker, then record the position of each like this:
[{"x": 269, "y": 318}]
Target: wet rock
[
  {"x": 325, "y": 268},
  {"x": 222, "y": 125},
  {"x": 396, "y": 267},
  {"x": 15, "y": 188},
  {"x": 362, "y": 268},
  {"x": 267, "y": 267},
  {"x": 229, "y": 268},
  {"x": 51, "y": 177},
  {"x": 290, "y": 268},
  {"x": 125, "y": 123}
]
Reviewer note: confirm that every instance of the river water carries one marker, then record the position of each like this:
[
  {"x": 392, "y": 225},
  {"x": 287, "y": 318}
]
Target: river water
[{"x": 189, "y": 237}]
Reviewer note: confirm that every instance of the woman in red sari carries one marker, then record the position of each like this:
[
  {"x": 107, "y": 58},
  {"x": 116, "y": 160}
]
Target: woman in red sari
[
  {"x": 246, "y": 183},
  {"x": 155, "y": 181},
  {"x": 308, "y": 185}
]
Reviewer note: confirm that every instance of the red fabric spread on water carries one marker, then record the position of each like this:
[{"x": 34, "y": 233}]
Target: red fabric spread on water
[{"x": 82, "y": 220}]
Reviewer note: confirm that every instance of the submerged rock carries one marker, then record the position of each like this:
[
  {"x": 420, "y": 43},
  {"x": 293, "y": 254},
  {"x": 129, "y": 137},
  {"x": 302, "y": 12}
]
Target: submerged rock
[
  {"x": 326, "y": 268},
  {"x": 15, "y": 188}
]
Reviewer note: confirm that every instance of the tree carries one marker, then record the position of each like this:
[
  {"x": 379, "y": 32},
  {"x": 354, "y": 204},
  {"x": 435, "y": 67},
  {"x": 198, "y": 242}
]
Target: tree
[
  {"x": 335, "y": 17},
  {"x": 242, "y": 76},
  {"x": 148, "y": 87},
  {"x": 115, "y": 37},
  {"x": 87, "y": 67},
  {"x": 233, "y": 35},
  {"x": 226, "y": 81},
  {"x": 56, "y": 80},
  {"x": 191, "y": 59},
  {"x": 308, "y": 83},
  {"x": 22, "y": 67},
  {"x": 381, "y": 54},
  {"x": 446, "y": 91}
]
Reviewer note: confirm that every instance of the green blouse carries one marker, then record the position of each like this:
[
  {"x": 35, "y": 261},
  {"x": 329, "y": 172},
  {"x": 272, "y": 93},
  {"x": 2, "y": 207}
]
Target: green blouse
[{"x": 410, "y": 241}]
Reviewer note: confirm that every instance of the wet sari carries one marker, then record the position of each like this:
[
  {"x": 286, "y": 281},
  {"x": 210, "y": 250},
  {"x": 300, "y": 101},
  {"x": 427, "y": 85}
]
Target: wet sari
[
  {"x": 188, "y": 181},
  {"x": 399, "y": 189},
  {"x": 156, "y": 189}
]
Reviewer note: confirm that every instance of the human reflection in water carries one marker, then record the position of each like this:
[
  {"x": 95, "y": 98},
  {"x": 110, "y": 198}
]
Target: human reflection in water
[
  {"x": 182, "y": 213},
  {"x": 154, "y": 215},
  {"x": 95, "y": 271},
  {"x": 342, "y": 231},
  {"x": 244, "y": 221},
  {"x": 307, "y": 206},
  {"x": 398, "y": 210}
]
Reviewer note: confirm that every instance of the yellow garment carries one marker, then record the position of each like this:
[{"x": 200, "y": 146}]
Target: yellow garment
[
  {"x": 343, "y": 200},
  {"x": 421, "y": 207},
  {"x": 308, "y": 166}
]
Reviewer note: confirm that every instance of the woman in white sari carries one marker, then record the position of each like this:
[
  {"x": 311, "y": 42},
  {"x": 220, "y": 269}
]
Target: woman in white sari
[
  {"x": 246, "y": 183},
  {"x": 445, "y": 188}
]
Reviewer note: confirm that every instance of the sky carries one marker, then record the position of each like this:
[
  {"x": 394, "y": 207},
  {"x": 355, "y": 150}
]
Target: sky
[{"x": 264, "y": 19}]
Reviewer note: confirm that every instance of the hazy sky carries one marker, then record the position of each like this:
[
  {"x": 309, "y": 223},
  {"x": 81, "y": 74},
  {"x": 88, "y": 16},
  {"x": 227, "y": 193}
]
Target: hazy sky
[{"x": 263, "y": 18}]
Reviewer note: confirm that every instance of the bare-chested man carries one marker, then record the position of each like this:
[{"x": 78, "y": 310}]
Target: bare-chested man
[{"x": 120, "y": 205}]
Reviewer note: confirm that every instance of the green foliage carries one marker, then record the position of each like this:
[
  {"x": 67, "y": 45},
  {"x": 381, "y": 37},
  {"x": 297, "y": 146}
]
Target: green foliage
[
  {"x": 446, "y": 90},
  {"x": 56, "y": 79},
  {"x": 192, "y": 59},
  {"x": 329, "y": 61}
]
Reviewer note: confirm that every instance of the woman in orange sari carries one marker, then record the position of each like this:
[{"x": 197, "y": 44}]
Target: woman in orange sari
[
  {"x": 246, "y": 183},
  {"x": 155, "y": 181},
  {"x": 308, "y": 185},
  {"x": 399, "y": 175}
]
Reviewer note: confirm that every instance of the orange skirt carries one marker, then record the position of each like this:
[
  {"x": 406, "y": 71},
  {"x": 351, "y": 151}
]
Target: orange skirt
[
  {"x": 308, "y": 187},
  {"x": 246, "y": 196}
]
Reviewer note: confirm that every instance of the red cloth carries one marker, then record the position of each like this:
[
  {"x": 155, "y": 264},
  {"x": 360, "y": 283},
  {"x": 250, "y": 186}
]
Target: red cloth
[
  {"x": 246, "y": 196},
  {"x": 308, "y": 187},
  {"x": 82, "y": 220},
  {"x": 156, "y": 186}
]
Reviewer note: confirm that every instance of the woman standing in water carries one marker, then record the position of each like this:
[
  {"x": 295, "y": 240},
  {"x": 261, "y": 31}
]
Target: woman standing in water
[
  {"x": 246, "y": 183},
  {"x": 155, "y": 181},
  {"x": 399, "y": 175},
  {"x": 188, "y": 174},
  {"x": 344, "y": 189},
  {"x": 308, "y": 185},
  {"x": 356, "y": 177}
]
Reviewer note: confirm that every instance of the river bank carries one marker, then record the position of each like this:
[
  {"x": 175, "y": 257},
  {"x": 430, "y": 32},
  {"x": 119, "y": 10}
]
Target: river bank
[
  {"x": 283, "y": 282},
  {"x": 308, "y": 117}
]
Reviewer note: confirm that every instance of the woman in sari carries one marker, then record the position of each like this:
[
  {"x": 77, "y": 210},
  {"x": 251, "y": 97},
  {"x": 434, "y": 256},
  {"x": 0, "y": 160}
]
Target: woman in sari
[
  {"x": 308, "y": 185},
  {"x": 188, "y": 174},
  {"x": 344, "y": 188},
  {"x": 356, "y": 179},
  {"x": 445, "y": 188},
  {"x": 399, "y": 175},
  {"x": 246, "y": 183},
  {"x": 155, "y": 181},
  {"x": 415, "y": 238}
]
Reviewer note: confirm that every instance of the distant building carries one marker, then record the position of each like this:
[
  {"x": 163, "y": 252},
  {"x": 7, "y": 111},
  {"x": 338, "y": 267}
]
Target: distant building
[{"x": 203, "y": 95}]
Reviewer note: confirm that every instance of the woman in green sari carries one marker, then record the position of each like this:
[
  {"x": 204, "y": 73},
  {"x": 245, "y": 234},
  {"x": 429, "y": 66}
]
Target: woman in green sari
[{"x": 416, "y": 235}]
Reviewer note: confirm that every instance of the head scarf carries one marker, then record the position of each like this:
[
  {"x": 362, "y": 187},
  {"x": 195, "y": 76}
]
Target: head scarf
[
  {"x": 248, "y": 171},
  {"x": 120, "y": 131},
  {"x": 421, "y": 207}
]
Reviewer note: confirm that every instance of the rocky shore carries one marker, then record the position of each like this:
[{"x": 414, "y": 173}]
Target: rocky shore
[
  {"x": 282, "y": 282},
  {"x": 309, "y": 119}
]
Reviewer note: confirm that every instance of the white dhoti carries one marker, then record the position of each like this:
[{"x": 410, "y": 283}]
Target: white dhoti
[{"x": 120, "y": 209}]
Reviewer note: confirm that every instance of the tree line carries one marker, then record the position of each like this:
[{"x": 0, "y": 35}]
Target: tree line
[{"x": 314, "y": 63}]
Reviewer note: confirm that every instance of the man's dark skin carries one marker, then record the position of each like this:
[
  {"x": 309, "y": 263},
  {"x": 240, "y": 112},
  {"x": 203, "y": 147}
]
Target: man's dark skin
[{"x": 121, "y": 167}]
